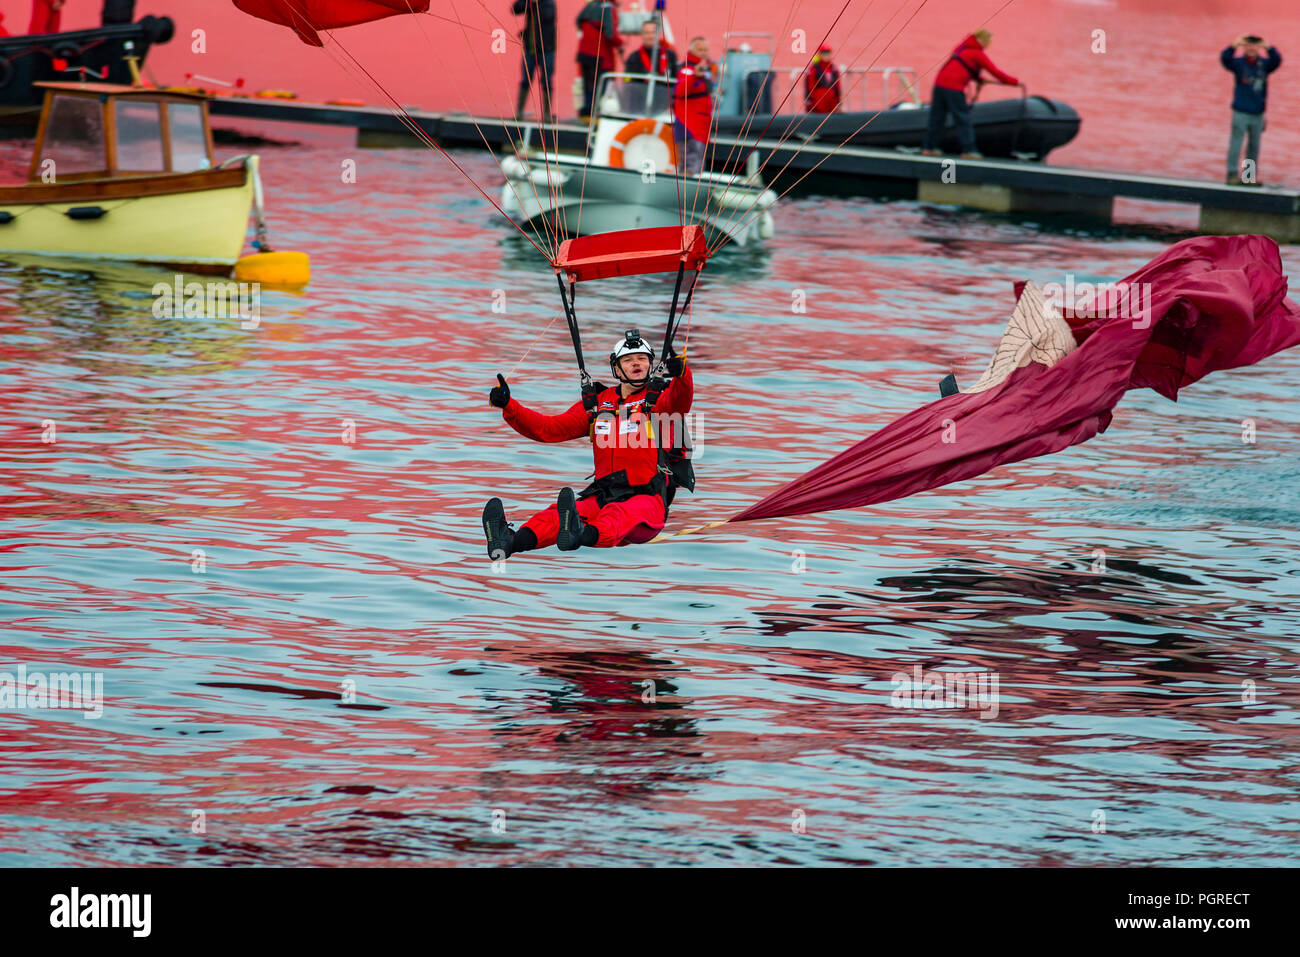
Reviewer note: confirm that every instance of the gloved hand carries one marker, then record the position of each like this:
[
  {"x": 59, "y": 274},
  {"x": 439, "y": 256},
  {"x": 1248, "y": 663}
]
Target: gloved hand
[
  {"x": 675, "y": 365},
  {"x": 500, "y": 395}
]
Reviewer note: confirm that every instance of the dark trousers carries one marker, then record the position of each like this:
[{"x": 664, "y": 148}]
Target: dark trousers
[
  {"x": 541, "y": 63},
  {"x": 590, "y": 67},
  {"x": 943, "y": 102}
]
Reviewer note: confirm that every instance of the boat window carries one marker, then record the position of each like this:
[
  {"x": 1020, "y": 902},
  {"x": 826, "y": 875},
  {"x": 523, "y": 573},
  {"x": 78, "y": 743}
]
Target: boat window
[
  {"x": 189, "y": 144},
  {"x": 74, "y": 137},
  {"x": 139, "y": 135}
]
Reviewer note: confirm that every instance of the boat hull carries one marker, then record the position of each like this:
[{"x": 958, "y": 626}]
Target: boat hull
[
  {"x": 596, "y": 199},
  {"x": 1032, "y": 126},
  {"x": 195, "y": 221}
]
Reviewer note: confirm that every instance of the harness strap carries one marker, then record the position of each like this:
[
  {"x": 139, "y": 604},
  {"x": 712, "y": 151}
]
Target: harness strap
[{"x": 974, "y": 71}]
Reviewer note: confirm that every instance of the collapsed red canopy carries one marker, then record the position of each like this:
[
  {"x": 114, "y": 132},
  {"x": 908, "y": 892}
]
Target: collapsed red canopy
[
  {"x": 1216, "y": 302},
  {"x": 630, "y": 252},
  {"x": 308, "y": 16}
]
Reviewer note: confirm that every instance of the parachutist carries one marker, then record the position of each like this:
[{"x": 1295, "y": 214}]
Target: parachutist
[{"x": 638, "y": 467}]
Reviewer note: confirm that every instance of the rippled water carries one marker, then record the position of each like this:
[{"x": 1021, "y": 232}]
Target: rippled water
[{"x": 1126, "y": 674}]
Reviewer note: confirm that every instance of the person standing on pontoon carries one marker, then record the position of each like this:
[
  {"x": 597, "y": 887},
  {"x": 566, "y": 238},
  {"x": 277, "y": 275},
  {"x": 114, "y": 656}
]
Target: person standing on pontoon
[
  {"x": 949, "y": 94},
  {"x": 538, "y": 39},
  {"x": 1249, "y": 97},
  {"x": 598, "y": 46},
  {"x": 693, "y": 107},
  {"x": 45, "y": 16},
  {"x": 117, "y": 11},
  {"x": 822, "y": 83}
]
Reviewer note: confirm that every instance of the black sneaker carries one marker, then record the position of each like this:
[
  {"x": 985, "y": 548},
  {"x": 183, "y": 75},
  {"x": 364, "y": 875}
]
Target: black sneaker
[
  {"x": 571, "y": 524},
  {"x": 500, "y": 536},
  {"x": 948, "y": 385}
]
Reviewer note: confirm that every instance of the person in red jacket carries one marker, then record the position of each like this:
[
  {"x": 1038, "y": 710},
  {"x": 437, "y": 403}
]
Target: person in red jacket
[
  {"x": 949, "y": 95},
  {"x": 693, "y": 107},
  {"x": 822, "y": 83},
  {"x": 628, "y": 502},
  {"x": 598, "y": 47},
  {"x": 45, "y": 16}
]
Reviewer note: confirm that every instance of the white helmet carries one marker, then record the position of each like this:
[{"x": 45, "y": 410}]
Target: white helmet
[{"x": 630, "y": 344}]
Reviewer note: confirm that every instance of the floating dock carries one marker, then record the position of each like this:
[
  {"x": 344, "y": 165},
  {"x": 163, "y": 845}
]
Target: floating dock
[{"x": 1003, "y": 186}]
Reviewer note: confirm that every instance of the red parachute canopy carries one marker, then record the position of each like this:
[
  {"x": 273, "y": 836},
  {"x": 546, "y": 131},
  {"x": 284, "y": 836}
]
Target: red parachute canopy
[
  {"x": 631, "y": 252},
  {"x": 308, "y": 16}
]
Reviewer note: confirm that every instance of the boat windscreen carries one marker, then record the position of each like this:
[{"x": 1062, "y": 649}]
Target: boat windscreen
[
  {"x": 74, "y": 137},
  {"x": 189, "y": 142},
  {"x": 635, "y": 96},
  {"x": 139, "y": 135}
]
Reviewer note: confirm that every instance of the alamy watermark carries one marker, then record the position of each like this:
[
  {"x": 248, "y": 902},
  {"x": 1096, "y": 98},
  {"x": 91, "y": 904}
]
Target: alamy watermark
[
  {"x": 946, "y": 689},
  {"x": 629, "y": 429},
  {"x": 1088, "y": 300},
  {"x": 37, "y": 690},
  {"x": 213, "y": 299}
]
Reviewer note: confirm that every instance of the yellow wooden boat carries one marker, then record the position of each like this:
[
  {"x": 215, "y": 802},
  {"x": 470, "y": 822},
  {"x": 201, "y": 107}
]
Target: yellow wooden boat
[{"x": 121, "y": 172}]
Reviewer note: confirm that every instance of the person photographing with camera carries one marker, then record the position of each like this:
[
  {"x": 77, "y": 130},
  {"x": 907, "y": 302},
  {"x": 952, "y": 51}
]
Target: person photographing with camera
[
  {"x": 693, "y": 107},
  {"x": 1251, "y": 68}
]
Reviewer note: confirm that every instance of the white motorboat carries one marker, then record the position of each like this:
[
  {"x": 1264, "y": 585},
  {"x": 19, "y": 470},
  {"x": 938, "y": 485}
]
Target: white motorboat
[{"x": 630, "y": 178}]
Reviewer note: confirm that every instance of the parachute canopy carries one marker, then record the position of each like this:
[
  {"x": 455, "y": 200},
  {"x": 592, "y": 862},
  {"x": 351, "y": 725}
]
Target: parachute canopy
[
  {"x": 308, "y": 16},
  {"x": 1206, "y": 304},
  {"x": 631, "y": 252}
]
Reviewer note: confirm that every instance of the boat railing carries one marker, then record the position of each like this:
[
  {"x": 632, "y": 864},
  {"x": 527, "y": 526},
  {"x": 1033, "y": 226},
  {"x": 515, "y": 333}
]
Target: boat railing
[
  {"x": 745, "y": 46},
  {"x": 898, "y": 88}
]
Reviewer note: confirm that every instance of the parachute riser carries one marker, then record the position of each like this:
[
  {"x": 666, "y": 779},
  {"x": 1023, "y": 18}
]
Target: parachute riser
[
  {"x": 675, "y": 315},
  {"x": 569, "y": 297}
]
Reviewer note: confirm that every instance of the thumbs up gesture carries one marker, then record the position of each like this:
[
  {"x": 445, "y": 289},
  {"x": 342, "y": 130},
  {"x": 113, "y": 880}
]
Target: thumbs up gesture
[{"x": 500, "y": 395}]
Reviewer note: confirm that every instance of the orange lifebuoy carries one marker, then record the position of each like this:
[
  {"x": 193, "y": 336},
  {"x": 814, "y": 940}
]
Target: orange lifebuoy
[{"x": 641, "y": 127}]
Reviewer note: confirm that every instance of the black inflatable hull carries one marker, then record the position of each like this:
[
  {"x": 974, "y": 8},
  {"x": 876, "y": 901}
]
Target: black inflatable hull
[
  {"x": 30, "y": 59},
  {"x": 1033, "y": 127}
]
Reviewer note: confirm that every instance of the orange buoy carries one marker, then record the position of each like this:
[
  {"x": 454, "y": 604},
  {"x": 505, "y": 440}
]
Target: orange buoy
[
  {"x": 641, "y": 127},
  {"x": 287, "y": 268}
]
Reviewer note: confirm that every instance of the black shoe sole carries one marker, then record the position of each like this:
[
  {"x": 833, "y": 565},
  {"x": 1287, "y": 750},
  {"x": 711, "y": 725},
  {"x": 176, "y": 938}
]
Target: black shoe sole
[
  {"x": 496, "y": 531},
  {"x": 948, "y": 385},
  {"x": 569, "y": 536}
]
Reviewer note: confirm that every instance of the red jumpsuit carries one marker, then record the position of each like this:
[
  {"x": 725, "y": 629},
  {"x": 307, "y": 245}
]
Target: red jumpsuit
[
  {"x": 822, "y": 82},
  {"x": 620, "y": 443}
]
